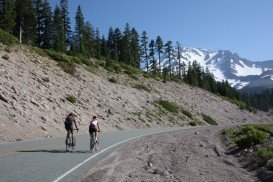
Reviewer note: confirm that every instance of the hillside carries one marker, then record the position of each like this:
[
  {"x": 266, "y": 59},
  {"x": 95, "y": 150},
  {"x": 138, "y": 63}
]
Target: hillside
[{"x": 34, "y": 91}]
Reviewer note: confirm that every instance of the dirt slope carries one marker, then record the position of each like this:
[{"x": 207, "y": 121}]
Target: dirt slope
[
  {"x": 35, "y": 91},
  {"x": 192, "y": 155}
]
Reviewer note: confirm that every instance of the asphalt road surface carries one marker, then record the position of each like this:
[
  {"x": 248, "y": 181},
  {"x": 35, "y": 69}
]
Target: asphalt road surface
[{"x": 47, "y": 159}]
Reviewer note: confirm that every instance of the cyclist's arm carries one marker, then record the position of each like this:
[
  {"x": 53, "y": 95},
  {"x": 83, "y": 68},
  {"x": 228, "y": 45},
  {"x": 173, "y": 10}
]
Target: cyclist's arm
[
  {"x": 76, "y": 124},
  {"x": 98, "y": 127}
]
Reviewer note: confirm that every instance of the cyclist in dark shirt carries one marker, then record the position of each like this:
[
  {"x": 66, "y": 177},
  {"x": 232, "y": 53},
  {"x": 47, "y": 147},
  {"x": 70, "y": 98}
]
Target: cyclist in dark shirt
[{"x": 70, "y": 119}]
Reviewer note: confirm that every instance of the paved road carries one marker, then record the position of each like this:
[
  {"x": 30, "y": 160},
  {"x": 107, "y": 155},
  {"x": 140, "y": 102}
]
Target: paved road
[{"x": 47, "y": 160}]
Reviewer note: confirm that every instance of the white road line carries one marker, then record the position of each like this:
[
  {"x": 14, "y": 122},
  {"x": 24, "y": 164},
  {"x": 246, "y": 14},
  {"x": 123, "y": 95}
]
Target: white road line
[{"x": 77, "y": 166}]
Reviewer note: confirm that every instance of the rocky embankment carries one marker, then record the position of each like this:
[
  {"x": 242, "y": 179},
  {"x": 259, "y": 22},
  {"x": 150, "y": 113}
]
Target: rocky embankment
[
  {"x": 33, "y": 92},
  {"x": 191, "y": 155}
]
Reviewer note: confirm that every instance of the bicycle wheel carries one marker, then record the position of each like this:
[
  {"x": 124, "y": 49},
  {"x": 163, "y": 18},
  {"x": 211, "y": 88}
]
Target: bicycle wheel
[
  {"x": 68, "y": 143},
  {"x": 92, "y": 141}
]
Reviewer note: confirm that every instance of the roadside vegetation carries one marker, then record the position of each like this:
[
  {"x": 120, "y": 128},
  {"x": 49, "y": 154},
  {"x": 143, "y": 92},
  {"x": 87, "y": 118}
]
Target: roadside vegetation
[
  {"x": 209, "y": 120},
  {"x": 254, "y": 143},
  {"x": 142, "y": 86}
]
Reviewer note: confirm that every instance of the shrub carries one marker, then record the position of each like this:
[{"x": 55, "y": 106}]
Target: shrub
[
  {"x": 7, "y": 39},
  {"x": 7, "y": 49},
  {"x": 265, "y": 155},
  {"x": 130, "y": 70},
  {"x": 113, "y": 80},
  {"x": 113, "y": 66},
  {"x": 71, "y": 99},
  {"x": 39, "y": 51},
  {"x": 6, "y": 57},
  {"x": 229, "y": 133},
  {"x": 134, "y": 77},
  {"x": 169, "y": 106},
  {"x": 249, "y": 135},
  {"x": 269, "y": 164},
  {"x": 193, "y": 123},
  {"x": 186, "y": 113},
  {"x": 68, "y": 67},
  {"x": 209, "y": 120},
  {"x": 142, "y": 86}
]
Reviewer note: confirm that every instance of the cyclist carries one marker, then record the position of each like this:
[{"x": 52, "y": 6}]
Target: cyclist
[
  {"x": 70, "y": 119},
  {"x": 94, "y": 127}
]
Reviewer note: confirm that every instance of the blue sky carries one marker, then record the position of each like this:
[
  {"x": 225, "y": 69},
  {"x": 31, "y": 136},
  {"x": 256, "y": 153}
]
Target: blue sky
[{"x": 242, "y": 26}]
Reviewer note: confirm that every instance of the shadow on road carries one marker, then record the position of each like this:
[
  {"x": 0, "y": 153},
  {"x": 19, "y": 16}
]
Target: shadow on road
[{"x": 56, "y": 151}]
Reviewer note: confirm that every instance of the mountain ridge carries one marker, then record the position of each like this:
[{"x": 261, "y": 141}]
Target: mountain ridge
[{"x": 224, "y": 65}]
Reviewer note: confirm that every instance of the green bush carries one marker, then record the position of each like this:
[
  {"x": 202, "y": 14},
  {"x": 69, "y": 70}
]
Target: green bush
[
  {"x": 134, "y": 77},
  {"x": 129, "y": 70},
  {"x": 68, "y": 67},
  {"x": 71, "y": 99},
  {"x": 113, "y": 80},
  {"x": 6, "y": 57},
  {"x": 186, "y": 113},
  {"x": 229, "y": 133},
  {"x": 7, "y": 49},
  {"x": 113, "y": 66},
  {"x": 249, "y": 135},
  {"x": 193, "y": 123},
  {"x": 209, "y": 120},
  {"x": 265, "y": 155},
  {"x": 142, "y": 86},
  {"x": 269, "y": 164},
  {"x": 39, "y": 51},
  {"x": 57, "y": 56},
  {"x": 169, "y": 106},
  {"x": 7, "y": 39},
  {"x": 265, "y": 127}
]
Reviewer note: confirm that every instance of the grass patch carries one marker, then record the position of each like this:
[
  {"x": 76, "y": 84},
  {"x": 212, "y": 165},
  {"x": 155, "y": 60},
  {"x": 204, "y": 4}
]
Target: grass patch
[
  {"x": 186, "y": 113},
  {"x": 209, "y": 120},
  {"x": 71, "y": 99},
  {"x": 142, "y": 86},
  {"x": 169, "y": 106},
  {"x": 113, "y": 80},
  {"x": 39, "y": 51},
  {"x": 7, "y": 39},
  {"x": 6, "y": 57}
]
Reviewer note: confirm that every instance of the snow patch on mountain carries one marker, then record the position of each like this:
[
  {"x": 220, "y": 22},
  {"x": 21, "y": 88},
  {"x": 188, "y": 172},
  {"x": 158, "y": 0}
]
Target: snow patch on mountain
[{"x": 244, "y": 70}]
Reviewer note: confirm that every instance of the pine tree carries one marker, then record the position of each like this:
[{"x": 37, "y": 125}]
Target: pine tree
[
  {"x": 144, "y": 49},
  {"x": 7, "y": 15},
  {"x": 152, "y": 55},
  {"x": 48, "y": 26},
  {"x": 135, "y": 49},
  {"x": 66, "y": 20},
  {"x": 38, "y": 4},
  {"x": 79, "y": 31},
  {"x": 111, "y": 43},
  {"x": 159, "y": 49},
  {"x": 169, "y": 52},
  {"x": 125, "y": 55},
  {"x": 117, "y": 44},
  {"x": 59, "y": 41},
  {"x": 25, "y": 20},
  {"x": 97, "y": 44},
  {"x": 104, "y": 48},
  {"x": 89, "y": 35},
  {"x": 179, "y": 51}
]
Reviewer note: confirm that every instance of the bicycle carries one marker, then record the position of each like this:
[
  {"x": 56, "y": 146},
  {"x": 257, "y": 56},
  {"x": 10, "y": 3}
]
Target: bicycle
[
  {"x": 94, "y": 144},
  {"x": 69, "y": 144}
]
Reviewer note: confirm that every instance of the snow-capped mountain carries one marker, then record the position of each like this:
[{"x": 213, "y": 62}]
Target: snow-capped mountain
[
  {"x": 264, "y": 81},
  {"x": 224, "y": 65}
]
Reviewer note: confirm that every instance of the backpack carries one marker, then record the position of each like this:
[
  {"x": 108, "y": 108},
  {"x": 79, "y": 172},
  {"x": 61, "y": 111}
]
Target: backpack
[
  {"x": 92, "y": 128},
  {"x": 68, "y": 120}
]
